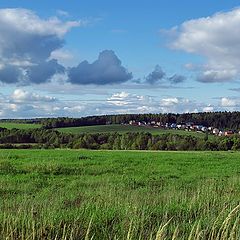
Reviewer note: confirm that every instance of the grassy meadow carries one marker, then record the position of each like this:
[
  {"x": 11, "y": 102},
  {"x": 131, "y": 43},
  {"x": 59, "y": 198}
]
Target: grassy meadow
[
  {"x": 81, "y": 194},
  {"x": 11, "y": 125},
  {"x": 127, "y": 128}
]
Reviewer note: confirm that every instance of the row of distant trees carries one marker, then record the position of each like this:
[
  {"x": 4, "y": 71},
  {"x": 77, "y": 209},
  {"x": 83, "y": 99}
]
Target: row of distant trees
[
  {"x": 48, "y": 138},
  {"x": 221, "y": 120}
]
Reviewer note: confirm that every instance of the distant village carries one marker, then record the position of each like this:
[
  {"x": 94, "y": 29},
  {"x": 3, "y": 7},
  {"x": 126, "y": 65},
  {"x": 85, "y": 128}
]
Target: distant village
[{"x": 190, "y": 126}]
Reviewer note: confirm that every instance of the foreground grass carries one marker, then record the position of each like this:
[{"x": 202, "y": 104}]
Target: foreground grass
[
  {"x": 10, "y": 125},
  {"x": 67, "y": 194},
  {"x": 128, "y": 128}
]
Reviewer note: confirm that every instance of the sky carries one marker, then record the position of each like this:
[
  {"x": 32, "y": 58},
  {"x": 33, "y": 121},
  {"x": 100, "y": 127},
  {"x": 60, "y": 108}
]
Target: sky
[{"x": 80, "y": 58}]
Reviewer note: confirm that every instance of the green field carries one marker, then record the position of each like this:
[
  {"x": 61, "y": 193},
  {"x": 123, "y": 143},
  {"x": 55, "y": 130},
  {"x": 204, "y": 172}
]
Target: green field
[
  {"x": 126, "y": 128},
  {"x": 10, "y": 125},
  {"x": 71, "y": 194}
]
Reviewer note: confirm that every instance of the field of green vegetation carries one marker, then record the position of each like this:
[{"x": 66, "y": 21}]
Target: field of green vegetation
[
  {"x": 81, "y": 194},
  {"x": 11, "y": 125},
  {"x": 124, "y": 129}
]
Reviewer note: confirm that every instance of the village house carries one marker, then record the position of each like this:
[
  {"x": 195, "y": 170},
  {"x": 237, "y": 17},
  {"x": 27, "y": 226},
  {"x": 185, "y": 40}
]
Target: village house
[
  {"x": 190, "y": 126},
  {"x": 221, "y": 133},
  {"x": 181, "y": 126},
  {"x": 215, "y": 131},
  {"x": 152, "y": 122},
  {"x": 228, "y": 133},
  {"x": 204, "y": 129},
  {"x": 210, "y": 129},
  {"x": 173, "y": 125},
  {"x": 133, "y": 122}
]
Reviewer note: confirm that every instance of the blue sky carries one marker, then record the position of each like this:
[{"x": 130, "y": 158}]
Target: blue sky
[{"x": 78, "y": 58}]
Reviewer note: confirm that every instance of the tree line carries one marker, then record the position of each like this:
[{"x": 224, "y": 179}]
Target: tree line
[
  {"x": 49, "y": 138},
  {"x": 221, "y": 120}
]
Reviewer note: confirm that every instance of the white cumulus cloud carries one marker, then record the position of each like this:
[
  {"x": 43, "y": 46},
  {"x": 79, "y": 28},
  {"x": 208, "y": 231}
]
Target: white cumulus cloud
[
  {"x": 21, "y": 95},
  {"x": 26, "y": 44},
  {"x": 169, "y": 101},
  {"x": 228, "y": 102},
  {"x": 24, "y": 20},
  {"x": 208, "y": 108},
  {"x": 217, "y": 38}
]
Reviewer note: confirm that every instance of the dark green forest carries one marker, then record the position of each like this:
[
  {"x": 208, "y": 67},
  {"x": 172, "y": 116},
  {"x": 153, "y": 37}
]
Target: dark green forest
[
  {"x": 222, "y": 120},
  {"x": 49, "y": 138}
]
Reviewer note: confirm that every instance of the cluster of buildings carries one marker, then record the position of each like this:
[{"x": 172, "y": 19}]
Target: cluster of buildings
[{"x": 190, "y": 126}]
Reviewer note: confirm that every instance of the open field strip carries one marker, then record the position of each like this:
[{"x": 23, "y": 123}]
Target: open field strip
[
  {"x": 10, "y": 125},
  {"x": 128, "y": 128}
]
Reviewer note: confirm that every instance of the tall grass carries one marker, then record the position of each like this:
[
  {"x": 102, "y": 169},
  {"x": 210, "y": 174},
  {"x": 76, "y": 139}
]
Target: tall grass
[
  {"x": 119, "y": 195},
  {"x": 28, "y": 228}
]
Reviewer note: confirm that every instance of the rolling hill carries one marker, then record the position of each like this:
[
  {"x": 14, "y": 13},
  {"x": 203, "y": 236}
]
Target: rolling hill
[{"x": 126, "y": 128}]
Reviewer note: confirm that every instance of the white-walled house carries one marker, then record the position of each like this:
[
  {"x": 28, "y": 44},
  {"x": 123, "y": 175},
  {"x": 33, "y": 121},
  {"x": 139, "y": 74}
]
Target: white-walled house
[
  {"x": 216, "y": 131},
  {"x": 221, "y": 133}
]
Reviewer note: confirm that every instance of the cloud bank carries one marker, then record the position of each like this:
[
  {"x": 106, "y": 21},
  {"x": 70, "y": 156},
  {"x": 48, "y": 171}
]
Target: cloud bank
[
  {"x": 26, "y": 44},
  {"x": 20, "y": 95},
  {"x": 217, "y": 39},
  {"x": 22, "y": 103}
]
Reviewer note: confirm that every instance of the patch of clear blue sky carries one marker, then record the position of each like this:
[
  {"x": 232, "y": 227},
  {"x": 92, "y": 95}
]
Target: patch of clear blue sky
[{"x": 131, "y": 29}]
